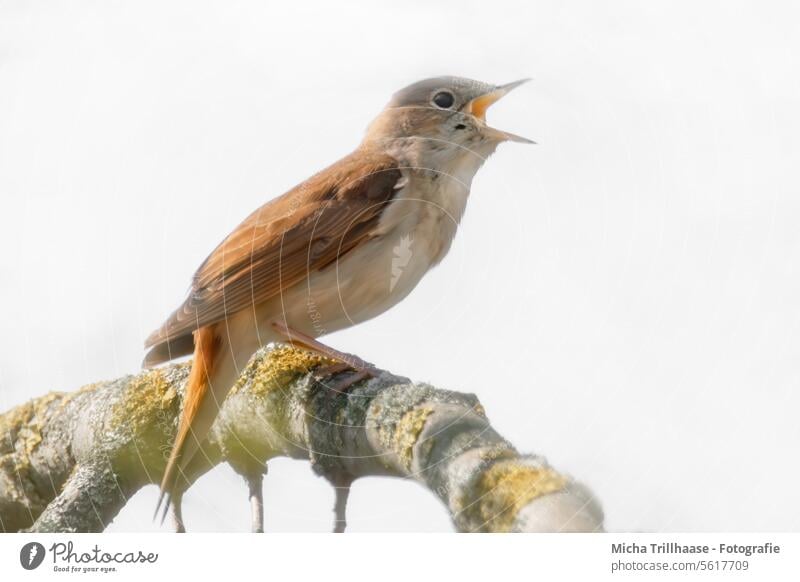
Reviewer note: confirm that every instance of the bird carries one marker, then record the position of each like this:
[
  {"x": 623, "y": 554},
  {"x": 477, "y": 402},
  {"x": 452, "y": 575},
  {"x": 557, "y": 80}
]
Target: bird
[{"x": 338, "y": 249}]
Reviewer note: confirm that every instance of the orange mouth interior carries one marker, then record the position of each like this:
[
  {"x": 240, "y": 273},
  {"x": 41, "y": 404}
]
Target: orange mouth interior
[{"x": 479, "y": 105}]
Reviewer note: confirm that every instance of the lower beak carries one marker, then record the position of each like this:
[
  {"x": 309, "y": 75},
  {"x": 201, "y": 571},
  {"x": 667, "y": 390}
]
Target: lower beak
[{"x": 478, "y": 106}]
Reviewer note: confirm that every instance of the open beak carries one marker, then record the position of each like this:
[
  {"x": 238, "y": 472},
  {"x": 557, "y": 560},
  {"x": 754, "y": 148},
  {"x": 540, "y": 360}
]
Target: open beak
[{"x": 478, "y": 106}]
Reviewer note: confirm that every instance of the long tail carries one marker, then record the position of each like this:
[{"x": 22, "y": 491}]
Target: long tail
[{"x": 199, "y": 411}]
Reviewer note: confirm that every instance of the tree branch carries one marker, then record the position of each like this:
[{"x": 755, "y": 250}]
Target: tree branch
[{"x": 70, "y": 461}]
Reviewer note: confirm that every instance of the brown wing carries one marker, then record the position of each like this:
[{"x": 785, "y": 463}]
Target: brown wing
[{"x": 306, "y": 229}]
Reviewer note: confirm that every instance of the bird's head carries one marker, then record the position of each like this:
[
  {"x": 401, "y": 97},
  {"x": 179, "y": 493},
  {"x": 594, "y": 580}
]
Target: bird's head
[{"x": 449, "y": 111}]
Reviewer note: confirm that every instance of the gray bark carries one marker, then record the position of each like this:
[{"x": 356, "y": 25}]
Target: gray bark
[{"x": 70, "y": 461}]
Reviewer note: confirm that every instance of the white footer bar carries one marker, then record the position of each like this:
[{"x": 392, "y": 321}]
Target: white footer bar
[{"x": 402, "y": 557}]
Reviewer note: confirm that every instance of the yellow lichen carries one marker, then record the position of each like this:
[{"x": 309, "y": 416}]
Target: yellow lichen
[
  {"x": 168, "y": 396},
  {"x": 282, "y": 366},
  {"x": 144, "y": 397},
  {"x": 82, "y": 390},
  {"x": 21, "y": 428},
  {"x": 407, "y": 432},
  {"x": 12, "y": 423},
  {"x": 507, "y": 487}
]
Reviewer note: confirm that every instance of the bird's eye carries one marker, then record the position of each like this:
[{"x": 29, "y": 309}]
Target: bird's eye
[{"x": 444, "y": 99}]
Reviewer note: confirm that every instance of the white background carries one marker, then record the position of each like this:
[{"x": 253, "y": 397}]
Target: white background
[{"x": 623, "y": 297}]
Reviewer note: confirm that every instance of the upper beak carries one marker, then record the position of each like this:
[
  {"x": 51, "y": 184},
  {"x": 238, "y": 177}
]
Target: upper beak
[{"x": 480, "y": 104}]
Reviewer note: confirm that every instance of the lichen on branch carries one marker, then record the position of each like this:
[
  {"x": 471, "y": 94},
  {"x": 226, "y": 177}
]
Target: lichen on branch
[{"x": 70, "y": 461}]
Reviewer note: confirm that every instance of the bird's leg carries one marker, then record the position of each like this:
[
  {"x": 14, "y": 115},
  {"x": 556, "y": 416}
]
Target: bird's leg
[
  {"x": 177, "y": 513},
  {"x": 346, "y": 383},
  {"x": 310, "y": 343},
  {"x": 341, "y": 486},
  {"x": 255, "y": 486},
  {"x": 323, "y": 372}
]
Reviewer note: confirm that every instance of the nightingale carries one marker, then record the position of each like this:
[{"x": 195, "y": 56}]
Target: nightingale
[{"x": 338, "y": 249}]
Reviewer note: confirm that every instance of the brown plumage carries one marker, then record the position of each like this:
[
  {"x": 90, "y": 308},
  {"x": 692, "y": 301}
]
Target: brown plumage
[
  {"x": 324, "y": 256},
  {"x": 276, "y": 246}
]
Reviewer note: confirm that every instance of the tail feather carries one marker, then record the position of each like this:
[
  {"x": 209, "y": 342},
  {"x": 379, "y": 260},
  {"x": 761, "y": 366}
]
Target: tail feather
[{"x": 198, "y": 413}]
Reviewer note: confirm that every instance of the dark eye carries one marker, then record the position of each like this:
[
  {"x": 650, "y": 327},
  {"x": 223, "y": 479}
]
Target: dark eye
[{"x": 444, "y": 99}]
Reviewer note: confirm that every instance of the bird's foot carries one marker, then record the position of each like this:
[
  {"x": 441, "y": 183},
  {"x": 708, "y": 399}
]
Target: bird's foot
[
  {"x": 344, "y": 384},
  {"x": 306, "y": 341},
  {"x": 325, "y": 375}
]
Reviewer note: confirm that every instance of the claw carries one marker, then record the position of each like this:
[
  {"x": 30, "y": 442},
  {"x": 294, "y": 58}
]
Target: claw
[{"x": 345, "y": 384}]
